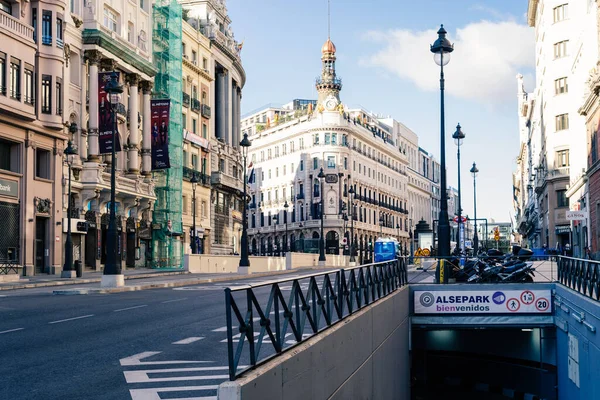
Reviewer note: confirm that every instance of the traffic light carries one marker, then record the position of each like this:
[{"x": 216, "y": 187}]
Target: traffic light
[{"x": 496, "y": 234}]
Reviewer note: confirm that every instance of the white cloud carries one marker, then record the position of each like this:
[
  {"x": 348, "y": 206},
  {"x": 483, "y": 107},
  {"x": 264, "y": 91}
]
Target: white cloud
[{"x": 486, "y": 58}]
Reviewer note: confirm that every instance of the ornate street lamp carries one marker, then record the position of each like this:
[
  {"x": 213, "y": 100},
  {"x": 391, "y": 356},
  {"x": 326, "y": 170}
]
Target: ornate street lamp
[
  {"x": 112, "y": 269},
  {"x": 244, "y": 260},
  {"x": 194, "y": 182},
  {"x": 285, "y": 218},
  {"x": 352, "y": 244},
  {"x": 441, "y": 49},
  {"x": 474, "y": 172},
  {"x": 322, "y": 259},
  {"x": 458, "y": 137},
  {"x": 70, "y": 153}
]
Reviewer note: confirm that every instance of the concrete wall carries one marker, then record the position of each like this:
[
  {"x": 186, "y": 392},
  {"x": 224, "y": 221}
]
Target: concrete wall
[
  {"x": 297, "y": 260},
  {"x": 210, "y": 263},
  {"x": 364, "y": 357},
  {"x": 586, "y": 343}
]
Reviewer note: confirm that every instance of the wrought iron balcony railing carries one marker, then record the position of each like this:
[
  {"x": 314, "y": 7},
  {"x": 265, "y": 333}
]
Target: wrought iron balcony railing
[
  {"x": 196, "y": 105},
  {"x": 186, "y": 99},
  {"x": 205, "y": 111}
]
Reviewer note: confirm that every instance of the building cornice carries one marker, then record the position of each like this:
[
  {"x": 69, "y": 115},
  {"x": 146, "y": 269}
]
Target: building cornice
[
  {"x": 203, "y": 73},
  {"x": 105, "y": 41},
  {"x": 531, "y": 12},
  {"x": 591, "y": 99},
  {"x": 235, "y": 61}
]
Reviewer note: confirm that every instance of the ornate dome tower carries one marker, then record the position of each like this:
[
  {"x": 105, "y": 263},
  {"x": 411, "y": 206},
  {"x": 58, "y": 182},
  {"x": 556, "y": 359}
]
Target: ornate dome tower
[{"x": 328, "y": 85}]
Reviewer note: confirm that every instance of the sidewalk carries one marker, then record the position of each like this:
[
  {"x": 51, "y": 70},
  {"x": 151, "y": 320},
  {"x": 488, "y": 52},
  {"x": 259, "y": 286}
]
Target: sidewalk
[{"x": 138, "y": 279}]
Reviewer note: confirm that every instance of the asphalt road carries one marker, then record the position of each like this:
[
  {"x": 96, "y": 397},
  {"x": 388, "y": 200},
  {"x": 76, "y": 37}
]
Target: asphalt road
[{"x": 143, "y": 345}]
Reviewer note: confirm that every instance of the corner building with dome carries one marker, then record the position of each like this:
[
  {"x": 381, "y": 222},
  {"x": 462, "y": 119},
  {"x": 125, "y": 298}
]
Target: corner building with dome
[{"x": 354, "y": 148}]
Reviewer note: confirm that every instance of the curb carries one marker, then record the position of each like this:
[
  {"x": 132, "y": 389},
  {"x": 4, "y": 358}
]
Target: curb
[
  {"x": 188, "y": 282},
  {"x": 79, "y": 281}
]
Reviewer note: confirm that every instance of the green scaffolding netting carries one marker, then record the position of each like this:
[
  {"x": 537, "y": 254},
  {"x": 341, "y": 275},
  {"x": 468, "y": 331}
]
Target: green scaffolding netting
[{"x": 167, "y": 57}]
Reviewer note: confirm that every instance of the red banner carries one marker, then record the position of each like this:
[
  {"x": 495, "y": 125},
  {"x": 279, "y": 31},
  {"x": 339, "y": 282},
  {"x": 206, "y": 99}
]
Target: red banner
[
  {"x": 160, "y": 133},
  {"x": 106, "y": 122}
]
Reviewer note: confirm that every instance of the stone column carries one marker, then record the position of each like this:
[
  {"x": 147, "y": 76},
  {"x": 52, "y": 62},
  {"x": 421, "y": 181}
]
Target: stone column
[
  {"x": 233, "y": 93},
  {"x": 134, "y": 163},
  {"x": 221, "y": 101},
  {"x": 146, "y": 129},
  {"x": 238, "y": 117},
  {"x": 94, "y": 57},
  {"x": 83, "y": 140}
]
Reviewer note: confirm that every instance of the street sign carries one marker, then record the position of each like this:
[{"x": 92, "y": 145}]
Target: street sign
[
  {"x": 463, "y": 219},
  {"x": 576, "y": 215}
]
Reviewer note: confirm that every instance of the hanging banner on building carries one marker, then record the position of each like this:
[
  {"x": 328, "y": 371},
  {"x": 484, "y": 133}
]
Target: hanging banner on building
[
  {"x": 483, "y": 302},
  {"x": 106, "y": 122},
  {"x": 160, "y": 133}
]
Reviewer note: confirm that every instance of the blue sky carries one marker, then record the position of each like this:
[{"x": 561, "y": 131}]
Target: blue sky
[{"x": 386, "y": 67}]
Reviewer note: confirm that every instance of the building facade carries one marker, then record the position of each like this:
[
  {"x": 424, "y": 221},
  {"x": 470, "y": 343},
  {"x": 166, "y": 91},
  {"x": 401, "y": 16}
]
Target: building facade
[
  {"x": 210, "y": 18},
  {"x": 107, "y": 37},
  {"x": 32, "y": 133},
  {"x": 293, "y": 144},
  {"x": 553, "y": 133},
  {"x": 197, "y": 106}
]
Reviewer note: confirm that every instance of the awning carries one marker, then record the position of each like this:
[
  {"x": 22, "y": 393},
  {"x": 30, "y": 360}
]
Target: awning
[{"x": 561, "y": 229}]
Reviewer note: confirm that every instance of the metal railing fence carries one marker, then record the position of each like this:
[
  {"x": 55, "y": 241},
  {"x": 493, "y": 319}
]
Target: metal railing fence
[
  {"x": 581, "y": 275},
  {"x": 315, "y": 303}
]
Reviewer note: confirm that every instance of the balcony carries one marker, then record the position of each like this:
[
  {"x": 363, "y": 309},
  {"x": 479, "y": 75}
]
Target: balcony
[
  {"x": 300, "y": 196},
  {"x": 15, "y": 26},
  {"x": 205, "y": 111},
  {"x": 186, "y": 99},
  {"x": 196, "y": 106},
  {"x": 227, "y": 181},
  {"x": 221, "y": 209},
  {"x": 203, "y": 179}
]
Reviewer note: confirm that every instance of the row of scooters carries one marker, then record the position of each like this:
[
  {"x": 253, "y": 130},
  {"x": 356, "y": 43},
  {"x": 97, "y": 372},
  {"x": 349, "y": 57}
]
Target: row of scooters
[{"x": 496, "y": 267}]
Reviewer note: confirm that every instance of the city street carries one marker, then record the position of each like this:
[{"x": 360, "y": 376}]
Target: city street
[{"x": 105, "y": 346}]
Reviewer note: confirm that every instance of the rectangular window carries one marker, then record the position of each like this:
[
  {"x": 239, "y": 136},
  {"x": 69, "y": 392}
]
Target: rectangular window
[
  {"x": 46, "y": 27},
  {"x": 130, "y": 33},
  {"x": 15, "y": 78},
  {"x": 185, "y": 158},
  {"x": 315, "y": 163},
  {"x": 194, "y": 125},
  {"x": 276, "y": 151},
  {"x": 330, "y": 161},
  {"x": 301, "y": 165},
  {"x": 561, "y": 198},
  {"x": 59, "y": 33},
  {"x": 42, "y": 163},
  {"x": 204, "y": 63},
  {"x": 28, "y": 88},
  {"x": 560, "y": 86},
  {"x": 204, "y": 131},
  {"x": 184, "y": 204},
  {"x": 560, "y": 49},
  {"x": 561, "y": 12},
  {"x": 562, "y": 158},
  {"x": 9, "y": 156},
  {"x": 262, "y": 156},
  {"x": 195, "y": 162},
  {"x": 110, "y": 19},
  {"x": 562, "y": 122},
  {"x": 316, "y": 138},
  {"x": 334, "y": 139},
  {"x": 291, "y": 147},
  {"x": 194, "y": 57},
  {"x": 6, "y": 7},
  {"x": 276, "y": 172},
  {"x": 46, "y": 94},
  {"x": 183, "y": 121},
  {"x": 283, "y": 149},
  {"x": 59, "y": 103},
  {"x": 222, "y": 165},
  {"x": 2, "y": 74},
  {"x": 327, "y": 138},
  {"x": 345, "y": 162},
  {"x": 34, "y": 23}
]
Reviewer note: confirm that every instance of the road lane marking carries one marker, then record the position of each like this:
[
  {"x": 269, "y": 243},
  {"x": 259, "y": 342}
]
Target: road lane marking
[
  {"x": 142, "y": 376},
  {"x": 136, "y": 360},
  {"x": 12, "y": 330},
  {"x": 172, "y": 301},
  {"x": 71, "y": 319},
  {"x": 188, "y": 340},
  {"x": 130, "y": 308},
  {"x": 221, "y": 329},
  {"x": 153, "y": 393}
]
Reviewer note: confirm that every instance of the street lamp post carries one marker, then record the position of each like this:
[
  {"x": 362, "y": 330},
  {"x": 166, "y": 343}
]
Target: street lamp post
[
  {"x": 70, "y": 153},
  {"x": 285, "y": 218},
  {"x": 458, "y": 137},
  {"x": 352, "y": 244},
  {"x": 474, "y": 172},
  {"x": 244, "y": 260},
  {"x": 322, "y": 258},
  {"x": 194, "y": 182},
  {"x": 112, "y": 269},
  {"x": 441, "y": 49}
]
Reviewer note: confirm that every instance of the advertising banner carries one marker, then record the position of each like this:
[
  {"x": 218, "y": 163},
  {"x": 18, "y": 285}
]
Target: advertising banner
[
  {"x": 574, "y": 215},
  {"x": 106, "y": 122},
  {"x": 483, "y": 302},
  {"x": 160, "y": 133}
]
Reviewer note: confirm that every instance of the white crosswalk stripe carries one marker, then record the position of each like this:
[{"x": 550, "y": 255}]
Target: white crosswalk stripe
[{"x": 177, "y": 379}]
